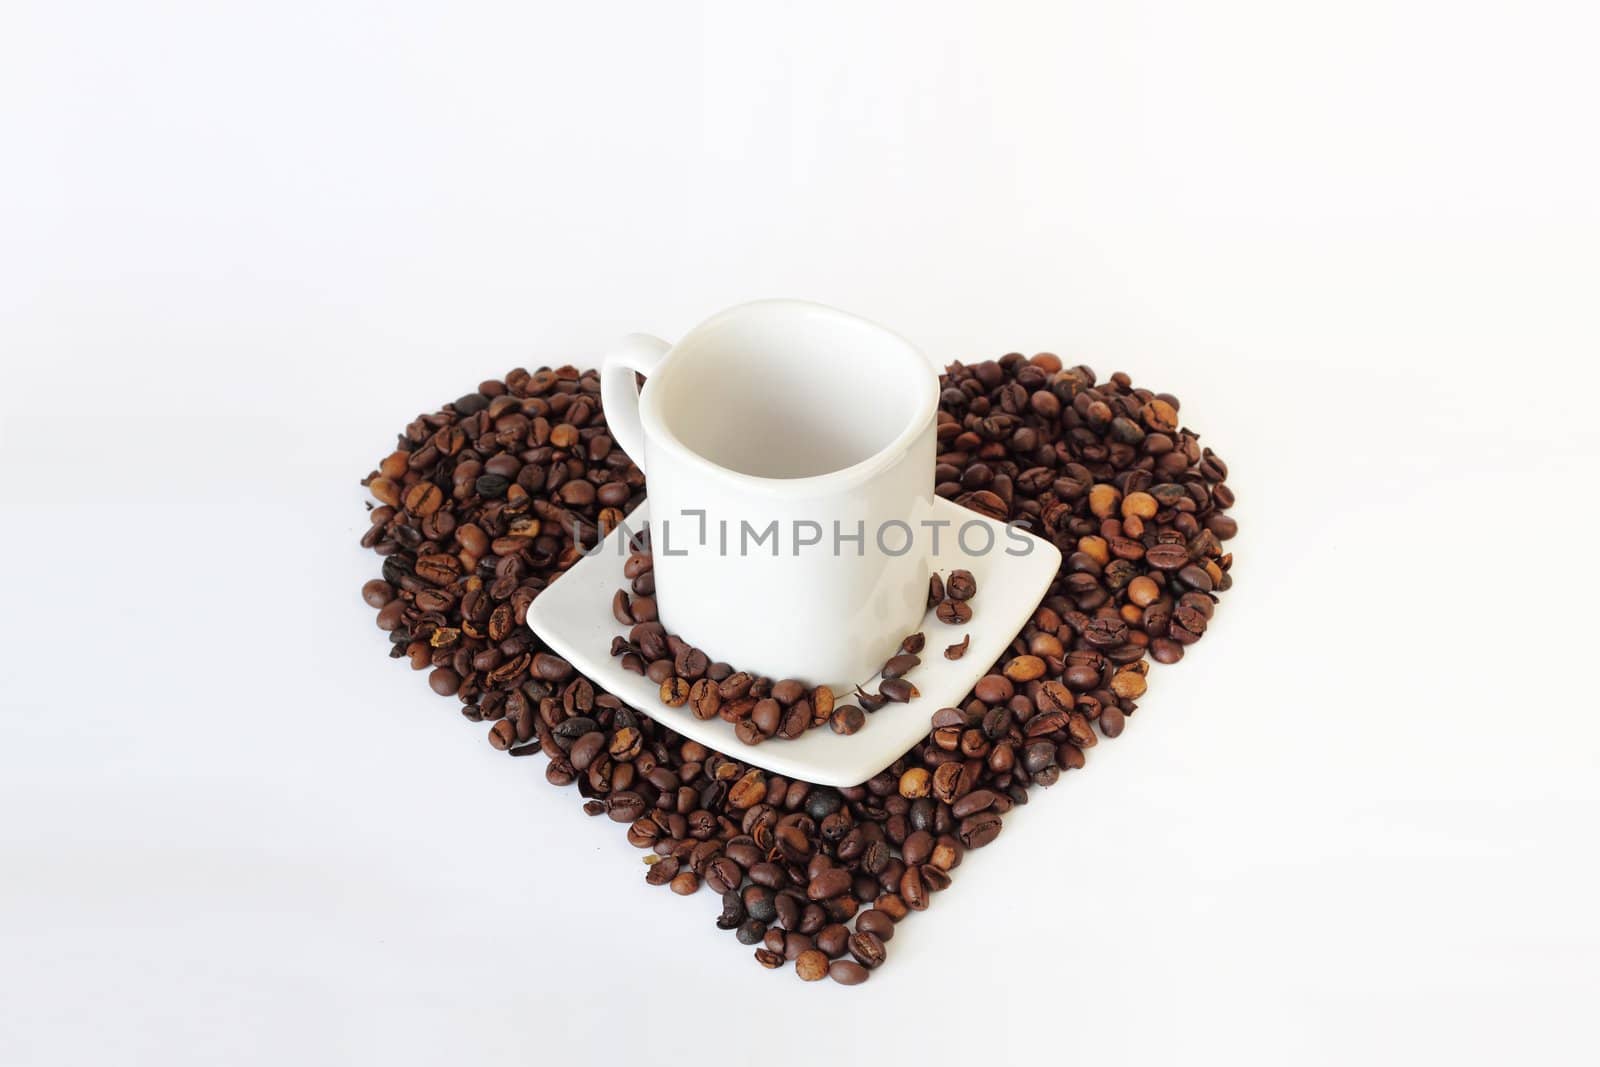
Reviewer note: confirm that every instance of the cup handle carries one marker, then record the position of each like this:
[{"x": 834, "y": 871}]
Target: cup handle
[{"x": 637, "y": 353}]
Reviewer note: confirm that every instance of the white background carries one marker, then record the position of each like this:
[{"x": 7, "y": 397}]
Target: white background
[{"x": 242, "y": 245}]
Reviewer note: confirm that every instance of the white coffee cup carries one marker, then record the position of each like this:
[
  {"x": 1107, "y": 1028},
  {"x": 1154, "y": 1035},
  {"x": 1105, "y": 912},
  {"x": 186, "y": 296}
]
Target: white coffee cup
[{"x": 771, "y": 436}]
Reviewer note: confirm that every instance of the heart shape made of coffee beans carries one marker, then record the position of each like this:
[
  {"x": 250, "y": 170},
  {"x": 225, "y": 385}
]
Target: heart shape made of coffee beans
[{"x": 489, "y": 499}]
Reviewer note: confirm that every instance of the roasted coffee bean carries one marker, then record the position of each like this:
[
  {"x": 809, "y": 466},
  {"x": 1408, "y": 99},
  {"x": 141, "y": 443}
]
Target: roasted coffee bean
[
  {"x": 961, "y": 585},
  {"x": 830, "y": 883},
  {"x": 959, "y": 649},
  {"x": 954, "y": 612},
  {"x": 1167, "y": 557},
  {"x": 822, "y": 801},
  {"x": 913, "y": 890},
  {"x": 704, "y": 699},
  {"x": 625, "y": 806},
  {"x": 733, "y": 913},
  {"x": 867, "y": 948},
  {"x": 811, "y": 966},
  {"x": 875, "y": 922},
  {"x": 900, "y": 665},
  {"x": 662, "y": 871},
  {"x": 761, "y": 903},
  {"x": 833, "y": 940},
  {"x": 847, "y": 719},
  {"x": 897, "y": 690},
  {"x": 848, "y": 972},
  {"x": 978, "y": 830},
  {"x": 994, "y": 689}
]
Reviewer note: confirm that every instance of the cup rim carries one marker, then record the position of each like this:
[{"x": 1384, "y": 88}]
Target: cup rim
[{"x": 927, "y": 401}]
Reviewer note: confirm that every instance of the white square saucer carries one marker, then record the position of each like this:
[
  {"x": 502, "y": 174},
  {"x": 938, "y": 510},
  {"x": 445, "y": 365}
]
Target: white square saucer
[{"x": 573, "y": 616}]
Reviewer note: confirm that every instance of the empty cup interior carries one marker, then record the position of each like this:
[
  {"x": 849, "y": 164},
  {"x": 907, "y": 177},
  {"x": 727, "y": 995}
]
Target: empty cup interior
[{"x": 793, "y": 393}]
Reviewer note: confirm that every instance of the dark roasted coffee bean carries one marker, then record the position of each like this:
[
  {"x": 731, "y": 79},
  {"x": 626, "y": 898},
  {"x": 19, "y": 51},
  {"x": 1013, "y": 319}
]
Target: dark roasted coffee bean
[
  {"x": 867, "y": 948},
  {"x": 830, "y": 883},
  {"x": 847, "y": 719},
  {"x": 913, "y": 890},
  {"x": 833, "y": 940},
  {"x": 900, "y": 665},
  {"x": 1167, "y": 557},
  {"x": 897, "y": 690},
  {"x": 960, "y": 585},
  {"x": 877, "y": 923},
  {"x": 978, "y": 830},
  {"x": 624, "y": 806},
  {"x": 848, "y": 972},
  {"x": 954, "y": 612}
]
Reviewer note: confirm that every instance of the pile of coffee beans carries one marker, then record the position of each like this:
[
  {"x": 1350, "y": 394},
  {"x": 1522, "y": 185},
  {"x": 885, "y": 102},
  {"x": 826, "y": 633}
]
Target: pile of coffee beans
[
  {"x": 758, "y": 707},
  {"x": 486, "y": 501}
]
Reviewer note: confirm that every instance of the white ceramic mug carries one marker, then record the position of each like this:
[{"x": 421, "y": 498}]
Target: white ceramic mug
[{"x": 789, "y": 454}]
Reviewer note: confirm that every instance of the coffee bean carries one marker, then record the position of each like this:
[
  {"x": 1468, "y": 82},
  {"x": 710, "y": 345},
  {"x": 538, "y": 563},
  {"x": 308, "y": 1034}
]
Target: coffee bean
[
  {"x": 959, "y": 649},
  {"x": 1167, "y": 557},
  {"x": 1025, "y": 669},
  {"x": 847, "y": 719},
  {"x": 994, "y": 689},
  {"x": 915, "y": 782},
  {"x": 877, "y": 923},
  {"x": 1111, "y": 721},
  {"x": 830, "y": 883},
  {"x": 620, "y": 609},
  {"x": 690, "y": 664},
  {"x": 897, "y": 690},
  {"x": 867, "y": 948},
  {"x": 974, "y": 802},
  {"x": 961, "y": 585},
  {"x": 913, "y": 890},
  {"x": 833, "y": 940},
  {"x": 788, "y": 691},
  {"x": 954, "y": 612},
  {"x": 767, "y": 716},
  {"x": 662, "y": 871},
  {"x": 811, "y": 966},
  {"x": 391, "y": 615},
  {"x": 900, "y": 665},
  {"x": 761, "y": 902},
  {"x": 624, "y": 806},
  {"x": 978, "y": 830},
  {"x": 674, "y": 692},
  {"x": 848, "y": 972},
  {"x": 704, "y": 699},
  {"x": 444, "y": 681}
]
